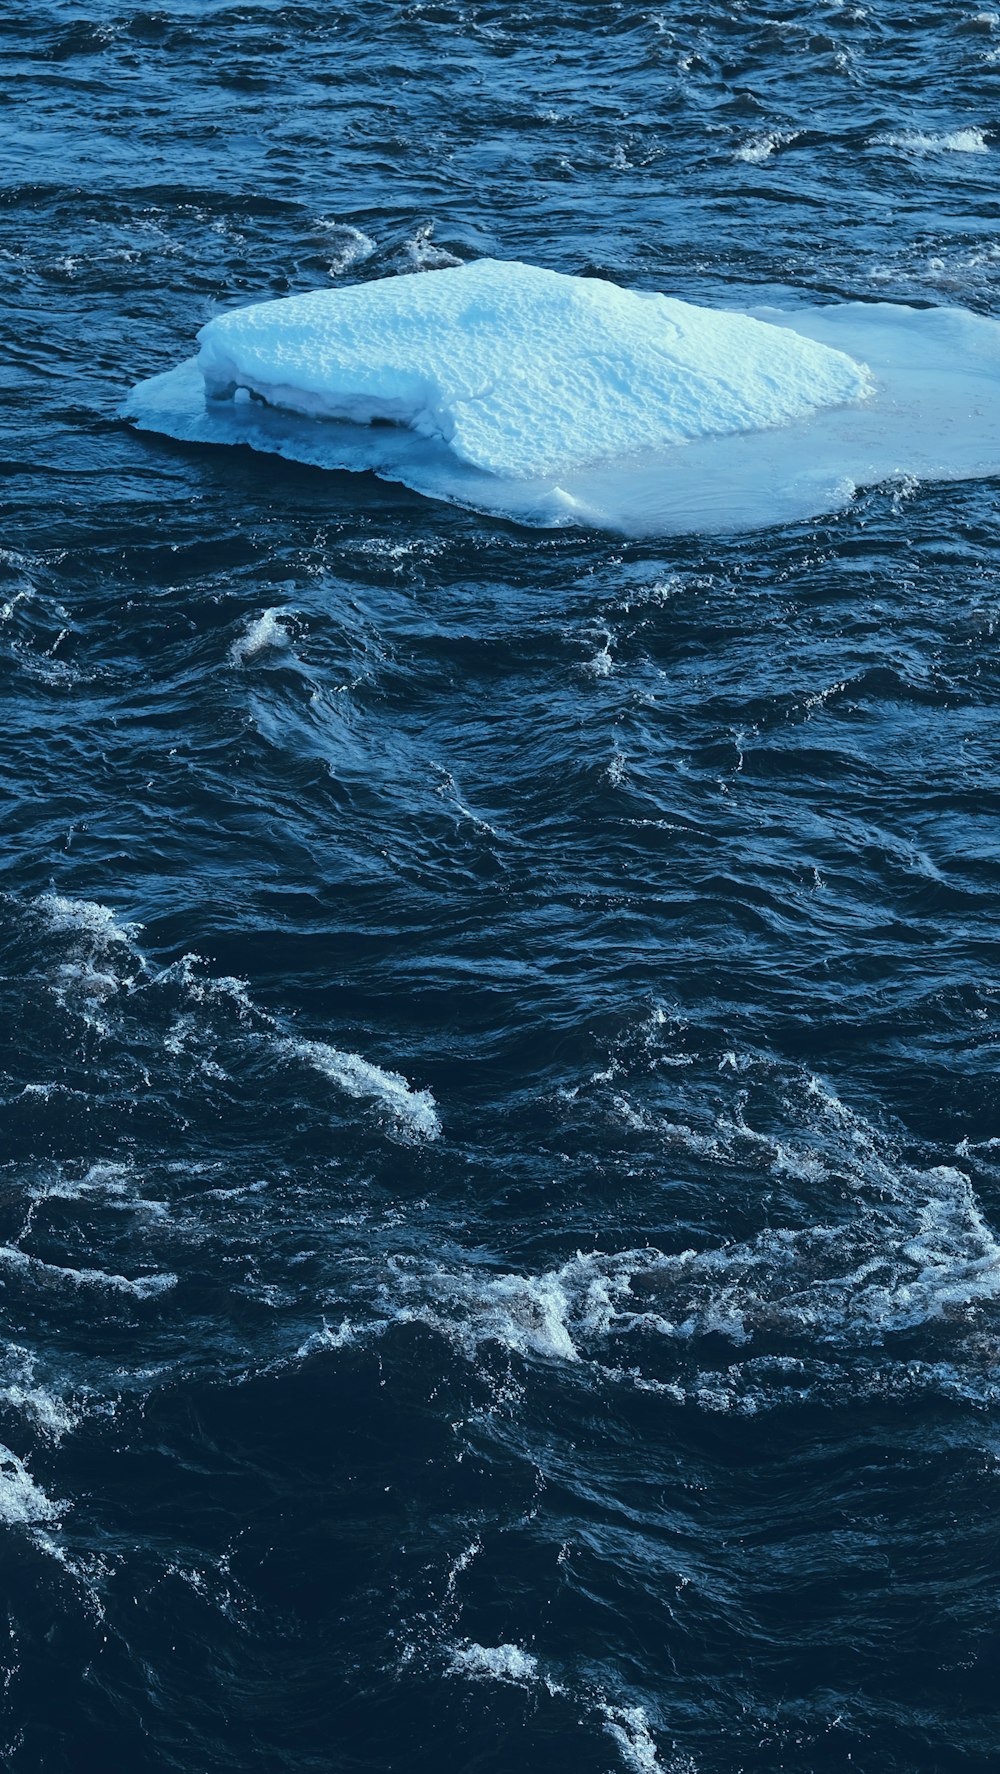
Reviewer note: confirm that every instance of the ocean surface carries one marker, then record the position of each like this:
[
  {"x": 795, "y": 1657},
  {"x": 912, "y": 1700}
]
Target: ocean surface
[{"x": 500, "y": 1171}]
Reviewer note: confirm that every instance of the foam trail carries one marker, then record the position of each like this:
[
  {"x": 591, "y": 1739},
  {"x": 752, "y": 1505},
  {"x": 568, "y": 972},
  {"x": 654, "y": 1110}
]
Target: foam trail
[
  {"x": 100, "y": 1179},
  {"x": 22, "y": 1501},
  {"x": 498, "y": 1663},
  {"x": 101, "y": 958},
  {"x": 413, "y": 1110},
  {"x": 546, "y": 1315},
  {"x": 144, "y": 1287},
  {"x": 956, "y": 141},
  {"x": 48, "y": 1414},
  {"x": 87, "y": 920},
  {"x": 346, "y": 244},
  {"x": 918, "y": 1252},
  {"x": 265, "y": 634},
  {"x": 629, "y": 1727},
  {"x": 756, "y": 149}
]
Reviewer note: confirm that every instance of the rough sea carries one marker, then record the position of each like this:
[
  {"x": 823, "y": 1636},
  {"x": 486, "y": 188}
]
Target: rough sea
[{"x": 500, "y": 1172}]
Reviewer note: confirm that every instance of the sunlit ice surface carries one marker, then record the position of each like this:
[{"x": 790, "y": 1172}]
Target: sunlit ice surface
[{"x": 557, "y": 400}]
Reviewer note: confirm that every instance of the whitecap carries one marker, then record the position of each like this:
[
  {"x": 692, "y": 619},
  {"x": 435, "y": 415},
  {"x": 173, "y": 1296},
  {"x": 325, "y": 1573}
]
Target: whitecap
[
  {"x": 413, "y": 1110},
  {"x": 346, "y": 245},
  {"x": 224, "y": 989},
  {"x": 630, "y": 1729},
  {"x": 917, "y": 1251},
  {"x": 101, "y": 957},
  {"x": 48, "y": 1413},
  {"x": 58, "y": 1275},
  {"x": 22, "y": 1501},
  {"x": 758, "y": 148},
  {"x": 424, "y": 254},
  {"x": 320, "y": 1341},
  {"x": 98, "y": 925},
  {"x": 107, "y": 1179},
  {"x": 544, "y": 1315},
  {"x": 497, "y": 1663},
  {"x": 266, "y": 633},
  {"x": 956, "y": 141}
]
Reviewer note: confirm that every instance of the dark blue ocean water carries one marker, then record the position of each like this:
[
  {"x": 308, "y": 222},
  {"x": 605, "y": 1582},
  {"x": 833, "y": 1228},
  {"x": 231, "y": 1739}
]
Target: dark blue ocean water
[{"x": 501, "y": 1163}]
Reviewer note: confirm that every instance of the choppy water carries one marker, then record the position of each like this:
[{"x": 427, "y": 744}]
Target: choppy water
[{"x": 501, "y": 1167}]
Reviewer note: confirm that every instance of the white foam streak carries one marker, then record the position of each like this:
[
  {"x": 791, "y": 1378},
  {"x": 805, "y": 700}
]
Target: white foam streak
[
  {"x": 956, "y": 141},
  {"x": 47, "y": 1413},
  {"x": 328, "y": 1338},
  {"x": 22, "y": 1501},
  {"x": 543, "y": 1315},
  {"x": 143, "y": 1287},
  {"x": 759, "y": 148},
  {"x": 497, "y": 1663},
  {"x": 423, "y": 254},
  {"x": 346, "y": 245},
  {"x": 413, "y": 1111},
  {"x": 99, "y": 1179},
  {"x": 98, "y": 925},
  {"x": 629, "y": 1726},
  {"x": 914, "y": 1249},
  {"x": 102, "y": 959},
  {"x": 213, "y": 989},
  {"x": 886, "y": 1272},
  {"x": 265, "y": 634}
]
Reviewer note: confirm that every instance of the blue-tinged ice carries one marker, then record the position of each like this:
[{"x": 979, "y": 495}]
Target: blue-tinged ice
[
  {"x": 521, "y": 372},
  {"x": 555, "y": 399}
]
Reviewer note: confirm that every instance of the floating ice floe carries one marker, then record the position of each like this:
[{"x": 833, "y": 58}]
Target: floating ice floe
[{"x": 556, "y": 400}]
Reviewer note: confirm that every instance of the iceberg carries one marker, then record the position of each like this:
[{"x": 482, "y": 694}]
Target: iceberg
[{"x": 556, "y": 399}]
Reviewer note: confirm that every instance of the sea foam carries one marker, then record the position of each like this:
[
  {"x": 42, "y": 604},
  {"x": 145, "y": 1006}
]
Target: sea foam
[
  {"x": 556, "y": 400},
  {"x": 266, "y": 634},
  {"x": 22, "y": 1501},
  {"x": 499, "y": 1663},
  {"x": 414, "y": 1112}
]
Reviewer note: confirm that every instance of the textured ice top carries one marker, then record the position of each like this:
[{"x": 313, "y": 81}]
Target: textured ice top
[
  {"x": 520, "y": 371},
  {"x": 561, "y": 400}
]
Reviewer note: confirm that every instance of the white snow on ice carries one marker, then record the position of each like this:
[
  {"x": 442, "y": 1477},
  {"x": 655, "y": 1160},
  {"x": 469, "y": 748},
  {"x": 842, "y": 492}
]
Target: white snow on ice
[
  {"x": 521, "y": 371},
  {"x": 555, "y": 399}
]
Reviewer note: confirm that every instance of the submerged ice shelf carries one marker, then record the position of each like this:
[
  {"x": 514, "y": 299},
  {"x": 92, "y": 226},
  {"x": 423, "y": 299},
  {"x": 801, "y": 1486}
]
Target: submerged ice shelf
[{"x": 555, "y": 399}]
